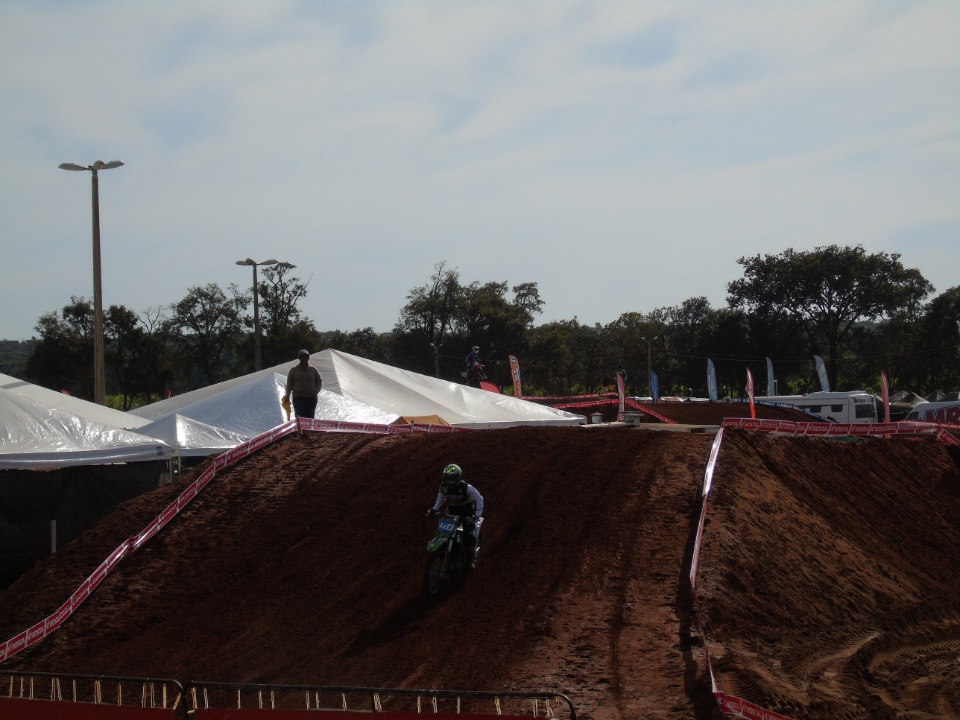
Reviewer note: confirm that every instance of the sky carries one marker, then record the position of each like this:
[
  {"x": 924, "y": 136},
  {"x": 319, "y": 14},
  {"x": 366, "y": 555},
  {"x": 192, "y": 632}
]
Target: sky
[{"x": 621, "y": 155}]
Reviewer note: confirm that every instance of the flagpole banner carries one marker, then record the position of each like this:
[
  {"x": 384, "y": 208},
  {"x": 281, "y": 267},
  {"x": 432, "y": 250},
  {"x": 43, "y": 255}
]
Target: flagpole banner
[
  {"x": 749, "y": 389},
  {"x": 654, "y": 385},
  {"x": 771, "y": 383},
  {"x": 712, "y": 381},
  {"x": 621, "y": 392},
  {"x": 886, "y": 396},
  {"x": 822, "y": 372},
  {"x": 515, "y": 374}
]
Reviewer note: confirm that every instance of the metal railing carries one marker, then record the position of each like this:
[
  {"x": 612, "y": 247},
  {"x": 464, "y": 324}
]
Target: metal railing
[
  {"x": 543, "y": 704},
  {"x": 155, "y": 693}
]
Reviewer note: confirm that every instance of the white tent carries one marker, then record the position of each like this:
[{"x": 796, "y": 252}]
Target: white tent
[
  {"x": 34, "y": 434},
  {"x": 62, "y": 469},
  {"x": 67, "y": 403},
  {"x": 250, "y": 405},
  {"x": 407, "y": 393},
  {"x": 192, "y": 438},
  {"x": 354, "y": 390}
]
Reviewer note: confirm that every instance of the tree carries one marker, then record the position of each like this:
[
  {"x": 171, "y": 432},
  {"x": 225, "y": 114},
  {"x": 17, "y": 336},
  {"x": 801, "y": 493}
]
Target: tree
[
  {"x": 498, "y": 325},
  {"x": 63, "y": 357},
  {"x": 282, "y": 326},
  {"x": 827, "y": 290},
  {"x": 136, "y": 356},
  {"x": 427, "y": 319},
  {"x": 565, "y": 357},
  {"x": 627, "y": 342},
  {"x": 937, "y": 348},
  {"x": 363, "y": 343},
  {"x": 443, "y": 318},
  {"x": 206, "y": 328}
]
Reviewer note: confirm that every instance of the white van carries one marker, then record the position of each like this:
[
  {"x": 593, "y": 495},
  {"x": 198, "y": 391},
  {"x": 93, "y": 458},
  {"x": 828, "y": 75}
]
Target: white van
[
  {"x": 945, "y": 413},
  {"x": 854, "y": 406}
]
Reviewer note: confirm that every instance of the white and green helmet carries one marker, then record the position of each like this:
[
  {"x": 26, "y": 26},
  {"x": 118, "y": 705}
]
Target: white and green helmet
[{"x": 452, "y": 474}]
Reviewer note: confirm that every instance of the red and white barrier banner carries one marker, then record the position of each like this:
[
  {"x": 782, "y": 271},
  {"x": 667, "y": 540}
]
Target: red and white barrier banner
[
  {"x": 376, "y": 428},
  {"x": 549, "y": 398},
  {"x": 598, "y": 401},
  {"x": 823, "y": 429},
  {"x": 265, "y": 714},
  {"x": 27, "y": 709},
  {"x": 742, "y": 708},
  {"x": 948, "y": 437},
  {"x": 24, "y": 709},
  {"x": 646, "y": 409}
]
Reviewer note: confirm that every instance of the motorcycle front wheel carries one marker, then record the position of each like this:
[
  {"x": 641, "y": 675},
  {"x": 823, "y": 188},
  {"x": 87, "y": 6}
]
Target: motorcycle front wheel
[{"x": 434, "y": 580}]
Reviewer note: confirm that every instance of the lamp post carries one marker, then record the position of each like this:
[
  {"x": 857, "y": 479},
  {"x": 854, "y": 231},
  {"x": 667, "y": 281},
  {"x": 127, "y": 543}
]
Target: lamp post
[
  {"x": 99, "y": 382},
  {"x": 649, "y": 364},
  {"x": 256, "y": 307}
]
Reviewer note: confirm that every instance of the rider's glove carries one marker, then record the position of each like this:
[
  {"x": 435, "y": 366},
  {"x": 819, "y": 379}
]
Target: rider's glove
[{"x": 431, "y": 512}]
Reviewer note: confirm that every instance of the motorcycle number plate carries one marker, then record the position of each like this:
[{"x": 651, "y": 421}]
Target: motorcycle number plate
[{"x": 447, "y": 527}]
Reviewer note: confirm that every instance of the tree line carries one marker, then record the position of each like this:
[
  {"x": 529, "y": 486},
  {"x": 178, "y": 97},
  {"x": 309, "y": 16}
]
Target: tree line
[{"x": 863, "y": 313}]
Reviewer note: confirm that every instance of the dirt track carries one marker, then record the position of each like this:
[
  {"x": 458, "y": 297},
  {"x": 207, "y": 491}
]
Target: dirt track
[{"x": 827, "y": 576}]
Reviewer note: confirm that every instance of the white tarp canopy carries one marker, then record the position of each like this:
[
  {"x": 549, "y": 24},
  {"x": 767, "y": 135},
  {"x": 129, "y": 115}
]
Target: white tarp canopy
[
  {"x": 250, "y": 405},
  {"x": 408, "y": 393},
  {"x": 354, "y": 390},
  {"x": 192, "y": 438},
  {"x": 67, "y": 403},
  {"x": 34, "y": 434}
]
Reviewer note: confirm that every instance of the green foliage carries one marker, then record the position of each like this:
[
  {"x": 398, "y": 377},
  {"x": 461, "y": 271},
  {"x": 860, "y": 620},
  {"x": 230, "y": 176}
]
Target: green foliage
[
  {"x": 863, "y": 313},
  {"x": 824, "y": 292},
  {"x": 13, "y": 356},
  {"x": 206, "y": 331}
]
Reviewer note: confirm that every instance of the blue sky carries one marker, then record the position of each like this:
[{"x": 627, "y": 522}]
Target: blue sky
[{"x": 621, "y": 155}]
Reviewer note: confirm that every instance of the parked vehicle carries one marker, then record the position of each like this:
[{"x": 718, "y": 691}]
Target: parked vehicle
[
  {"x": 945, "y": 413},
  {"x": 854, "y": 406}
]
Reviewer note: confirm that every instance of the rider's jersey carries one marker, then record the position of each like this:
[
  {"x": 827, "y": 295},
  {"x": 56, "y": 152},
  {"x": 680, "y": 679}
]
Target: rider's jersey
[
  {"x": 463, "y": 503},
  {"x": 472, "y": 359}
]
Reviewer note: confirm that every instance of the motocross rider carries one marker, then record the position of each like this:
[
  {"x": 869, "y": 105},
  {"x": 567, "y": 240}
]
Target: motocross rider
[
  {"x": 473, "y": 358},
  {"x": 463, "y": 500}
]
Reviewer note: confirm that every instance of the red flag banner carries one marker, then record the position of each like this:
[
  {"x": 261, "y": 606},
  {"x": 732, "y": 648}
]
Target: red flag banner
[
  {"x": 621, "y": 392},
  {"x": 515, "y": 374},
  {"x": 749, "y": 389}
]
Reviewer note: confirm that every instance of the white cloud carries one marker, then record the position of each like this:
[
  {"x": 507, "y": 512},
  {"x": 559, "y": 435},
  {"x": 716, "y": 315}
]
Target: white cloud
[{"x": 621, "y": 155}]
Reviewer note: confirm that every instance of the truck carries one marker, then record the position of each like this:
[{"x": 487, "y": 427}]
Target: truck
[
  {"x": 852, "y": 406},
  {"x": 944, "y": 413}
]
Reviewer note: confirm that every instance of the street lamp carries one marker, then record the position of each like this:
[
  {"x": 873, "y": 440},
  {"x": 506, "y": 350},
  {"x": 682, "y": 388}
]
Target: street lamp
[
  {"x": 99, "y": 383},
  {"x": 649, "y": 364},
  {"x": 256, "y": 307}
]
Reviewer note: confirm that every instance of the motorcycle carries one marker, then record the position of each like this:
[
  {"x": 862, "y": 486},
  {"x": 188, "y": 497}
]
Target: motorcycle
[
  {"x": 474, "y": 375},
  {"x": 450, "y": 560}
]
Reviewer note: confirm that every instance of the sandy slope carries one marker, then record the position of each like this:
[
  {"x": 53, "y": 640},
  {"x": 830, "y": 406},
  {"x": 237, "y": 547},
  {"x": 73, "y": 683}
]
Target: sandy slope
[{"x": 826, "y": 573}]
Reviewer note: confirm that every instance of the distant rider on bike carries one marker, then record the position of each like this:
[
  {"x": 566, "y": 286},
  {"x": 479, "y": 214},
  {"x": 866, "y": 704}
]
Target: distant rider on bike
[
  {"x": 473, "y": 358},
  {"x": 463, "y": 500},
  {"x": 474, "y": 372}
]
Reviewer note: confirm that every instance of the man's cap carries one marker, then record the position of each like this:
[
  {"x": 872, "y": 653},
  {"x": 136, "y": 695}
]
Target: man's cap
[{"x": 302, "y": 353}]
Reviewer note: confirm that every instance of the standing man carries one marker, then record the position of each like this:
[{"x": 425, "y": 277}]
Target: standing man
[{"x": 304, "y": 383}]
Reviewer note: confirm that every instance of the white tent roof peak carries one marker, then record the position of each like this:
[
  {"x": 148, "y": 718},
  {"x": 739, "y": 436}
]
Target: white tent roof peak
[
  {"x": 354, "y": 390},
  {"x": 408, "y": 393}
]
